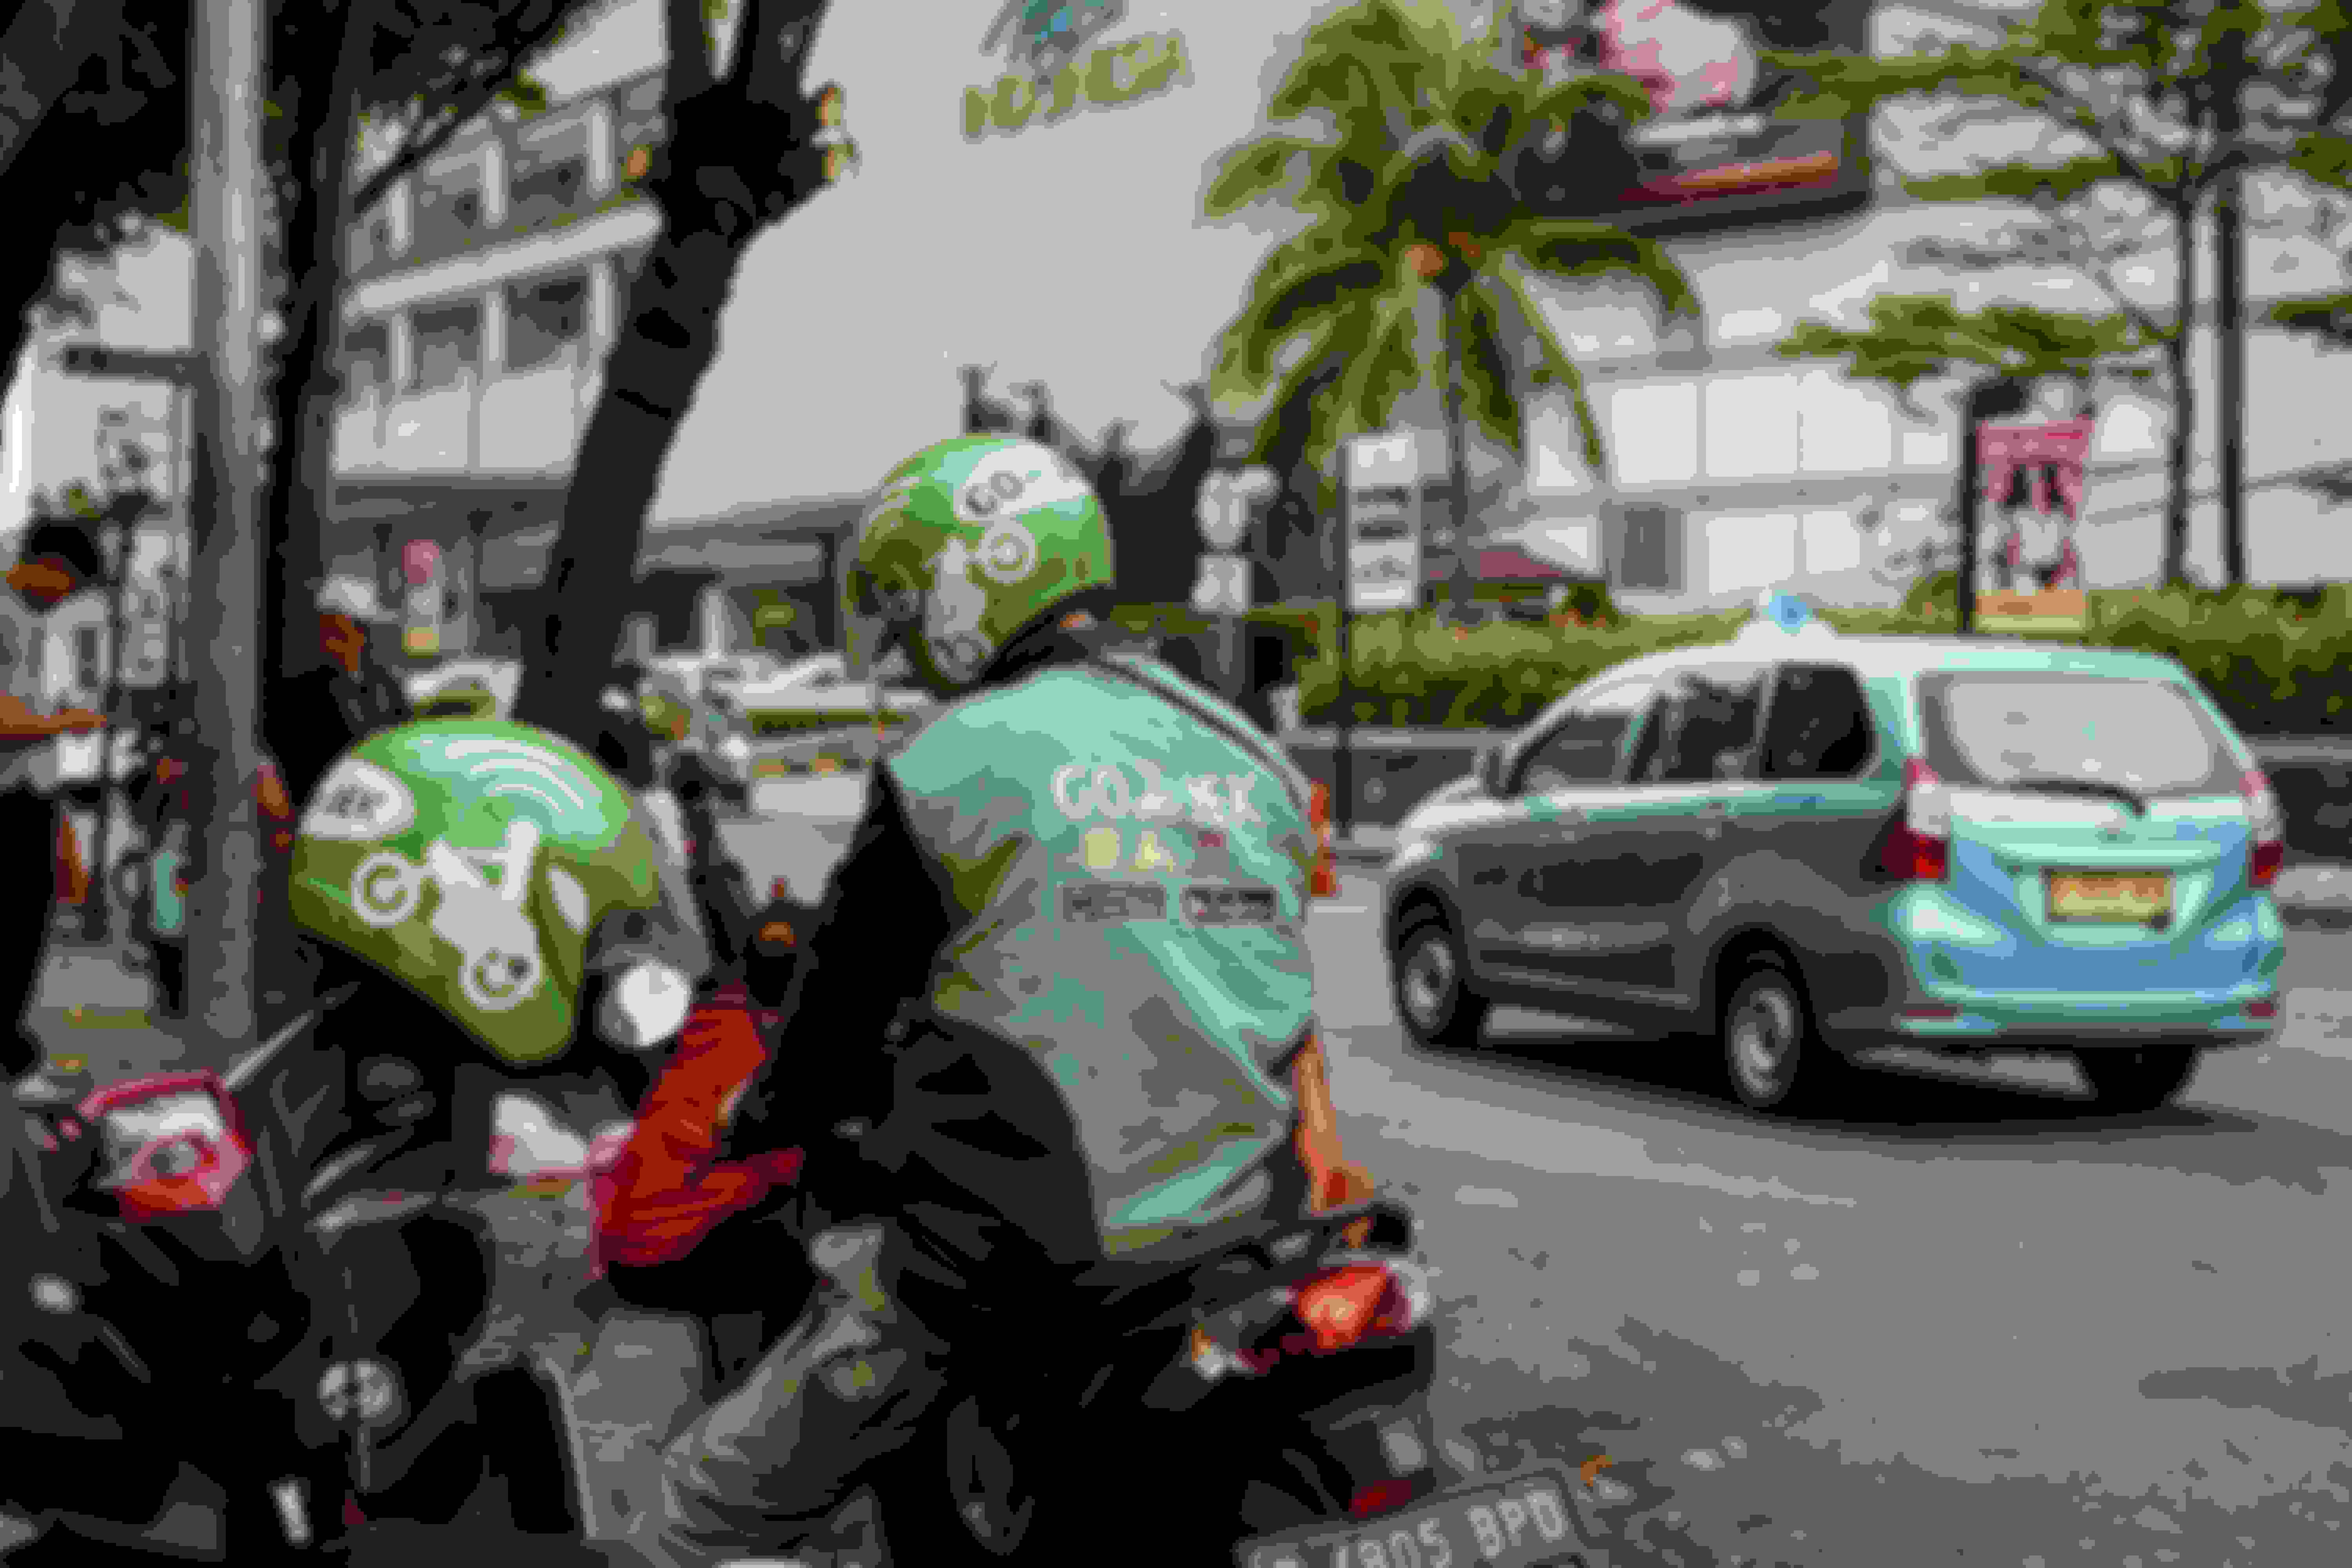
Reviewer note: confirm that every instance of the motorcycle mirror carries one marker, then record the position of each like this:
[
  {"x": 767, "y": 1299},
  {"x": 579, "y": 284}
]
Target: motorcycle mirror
[{"x": 645, "y": 1006}]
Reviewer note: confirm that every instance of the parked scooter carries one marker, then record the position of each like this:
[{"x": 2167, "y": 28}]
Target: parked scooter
[{"x": 501, "y": 919}]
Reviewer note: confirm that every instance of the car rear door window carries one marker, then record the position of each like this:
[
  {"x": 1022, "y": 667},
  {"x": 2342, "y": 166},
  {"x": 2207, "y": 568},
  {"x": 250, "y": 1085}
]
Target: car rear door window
[
  {"x": 1818, "y": 725},
  {"x": 1583, "y": 747},
  {"x": 1712, "y": 731},
  {"x": 2071, "y": 732}
]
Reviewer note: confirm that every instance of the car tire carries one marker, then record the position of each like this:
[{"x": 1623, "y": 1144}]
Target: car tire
[
  {"x": 2143, "y": 1078},
  {"x": 1431, "y": 982},
  {"x": 1774, "y": 1057}
]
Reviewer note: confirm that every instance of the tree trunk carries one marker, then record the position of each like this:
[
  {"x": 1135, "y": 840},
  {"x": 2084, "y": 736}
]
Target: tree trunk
[
  {"x": 2178, "y": 451},
  {"x": 668, "y": 343},
  {"x": 42, "y": 50},
  {"x": 225, "y": 77},
  {"x": 1458, "y": 460},
  {"x": 742, "y": 156},
  {"x": 303, "y": 399}
]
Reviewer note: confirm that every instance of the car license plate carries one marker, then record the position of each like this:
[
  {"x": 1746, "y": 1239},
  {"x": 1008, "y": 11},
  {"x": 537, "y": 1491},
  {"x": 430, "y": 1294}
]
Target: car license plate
[
  {"x": 2137, "y": 898},
  {"x": 1521, "y": 1522}
]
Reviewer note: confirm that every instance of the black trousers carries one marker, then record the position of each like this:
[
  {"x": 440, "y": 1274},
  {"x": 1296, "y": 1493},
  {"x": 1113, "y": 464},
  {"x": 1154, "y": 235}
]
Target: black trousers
[{"x": 29, "y": 842}]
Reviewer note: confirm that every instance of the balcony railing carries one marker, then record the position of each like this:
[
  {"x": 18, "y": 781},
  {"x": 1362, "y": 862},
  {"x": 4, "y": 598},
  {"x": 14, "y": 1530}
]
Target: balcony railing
[
  {"x": 535, "y": 204},
  {"x": 526, "y": 424}
]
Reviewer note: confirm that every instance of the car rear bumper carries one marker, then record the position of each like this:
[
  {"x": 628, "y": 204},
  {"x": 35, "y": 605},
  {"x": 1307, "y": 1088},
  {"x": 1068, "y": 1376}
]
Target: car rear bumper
[{"x": 2082, "y": 1021}]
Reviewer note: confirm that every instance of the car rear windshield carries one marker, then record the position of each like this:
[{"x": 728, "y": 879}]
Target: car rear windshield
[{"x": 2017, "y": 729}]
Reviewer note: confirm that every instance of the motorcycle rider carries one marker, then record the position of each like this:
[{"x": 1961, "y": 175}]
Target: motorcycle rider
[
  {"x": 1078, "y": 1039},
  {"x": 350, "y": 693}
]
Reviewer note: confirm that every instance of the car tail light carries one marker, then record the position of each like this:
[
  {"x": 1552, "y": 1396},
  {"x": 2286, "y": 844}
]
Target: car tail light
[
  {"x": 2261, "y": 1009},
  {"x": 1919, "y": 847},
  {"x": 1932, "y": 1012},
  {"x": 2268, "y": 824}
]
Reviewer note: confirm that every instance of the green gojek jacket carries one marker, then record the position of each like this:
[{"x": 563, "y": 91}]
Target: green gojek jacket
[{"x": 1126, "y": 861}]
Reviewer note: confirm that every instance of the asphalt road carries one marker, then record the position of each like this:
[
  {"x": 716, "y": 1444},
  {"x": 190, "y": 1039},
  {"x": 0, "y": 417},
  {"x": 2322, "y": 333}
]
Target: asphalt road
[{"x": 1966, "y": 1322}]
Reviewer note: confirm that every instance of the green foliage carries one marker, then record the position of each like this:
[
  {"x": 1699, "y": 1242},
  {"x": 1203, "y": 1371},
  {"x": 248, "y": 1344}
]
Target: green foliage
[
  {"x": 1394, "y": 133},
  {"x": 2275, "y": 663},
  {"x": 527, "y": 93},
  {"x": 1913, "y": 338}
]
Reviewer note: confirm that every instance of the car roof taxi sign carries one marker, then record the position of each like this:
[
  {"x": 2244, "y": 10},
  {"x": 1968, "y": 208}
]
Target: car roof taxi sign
[{"x": 1785, "y": 611}]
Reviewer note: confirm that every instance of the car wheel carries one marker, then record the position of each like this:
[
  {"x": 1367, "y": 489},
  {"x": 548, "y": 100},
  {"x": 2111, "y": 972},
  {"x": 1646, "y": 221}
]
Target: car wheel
[
  {"x": 1433, "y": 987},
  {"x": 1775, "y": 1059},
  {"x": 2140, "y": 1079}
]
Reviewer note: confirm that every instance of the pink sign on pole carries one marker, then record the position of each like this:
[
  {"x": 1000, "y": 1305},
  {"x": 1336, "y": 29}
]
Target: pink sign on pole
[{"x": 420, "y": 558}]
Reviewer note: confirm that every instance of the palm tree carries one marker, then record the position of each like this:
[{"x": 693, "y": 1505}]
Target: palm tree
[{"x": 1411, "y": 182}]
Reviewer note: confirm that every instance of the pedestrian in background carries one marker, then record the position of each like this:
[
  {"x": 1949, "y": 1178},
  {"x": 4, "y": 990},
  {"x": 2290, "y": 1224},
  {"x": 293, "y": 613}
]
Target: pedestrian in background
[
  {"x": 318, "y": 715},
  {"x": 56, "y": 561}
]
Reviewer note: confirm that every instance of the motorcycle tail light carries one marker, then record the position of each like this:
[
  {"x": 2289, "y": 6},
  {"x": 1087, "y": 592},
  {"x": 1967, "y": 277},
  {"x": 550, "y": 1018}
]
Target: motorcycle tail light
[
  {"x": 1380, "y": 1496},
  {"x": 1346, "y": 1305},
  {"x": 169, "y": 1142}
]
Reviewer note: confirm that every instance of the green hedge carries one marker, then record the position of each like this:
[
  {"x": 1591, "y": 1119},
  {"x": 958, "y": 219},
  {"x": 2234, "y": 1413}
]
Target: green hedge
[
  {"x": 2276, "y": 663},
  {"x": 769, "y": 724}
]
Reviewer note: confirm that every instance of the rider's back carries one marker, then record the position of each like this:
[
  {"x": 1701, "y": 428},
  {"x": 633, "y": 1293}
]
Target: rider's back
[{"x": 1126, "y": 864}]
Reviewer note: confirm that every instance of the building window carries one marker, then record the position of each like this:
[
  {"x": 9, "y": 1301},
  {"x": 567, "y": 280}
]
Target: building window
[
  {"x": 367, "y": 357},
  {"x": 544, "y": 318},
  {"x": 449, "y": 345},
  {"x": 89, "y": 658},
  {"x": 449, "y": 206},
  {"x": 541, "y": 192}
]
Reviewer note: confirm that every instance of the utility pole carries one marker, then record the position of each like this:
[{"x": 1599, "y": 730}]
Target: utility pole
[
  {"x": 223, "y": 633},
  {"x": 2229, "y": 86}
]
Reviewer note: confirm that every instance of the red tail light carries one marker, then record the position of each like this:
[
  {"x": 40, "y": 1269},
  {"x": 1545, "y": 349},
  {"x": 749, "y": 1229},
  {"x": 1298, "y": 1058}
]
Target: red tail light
[
  {"x": 1379, "y": 1496},
  {"x": 1919, "y": 847},
  {"x": 1354, "y": 1302},
  {"x": 2261, "y": 1009},
  {"x": 2268, "y": 824}
]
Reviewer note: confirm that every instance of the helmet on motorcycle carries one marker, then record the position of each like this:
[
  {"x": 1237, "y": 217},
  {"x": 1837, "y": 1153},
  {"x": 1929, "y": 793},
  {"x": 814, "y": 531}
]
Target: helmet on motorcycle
[{"x": 968, "y": 543}]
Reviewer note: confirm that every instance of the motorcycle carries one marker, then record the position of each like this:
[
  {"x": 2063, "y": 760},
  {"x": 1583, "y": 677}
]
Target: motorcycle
[
  {"x": 756, "y": 940},
  {"x": 1288, "y": 1367},
  {"x": 347, "y": 1345},
  {"x": 152, "y": 877},
  {"x": 309, "y": 1246}
]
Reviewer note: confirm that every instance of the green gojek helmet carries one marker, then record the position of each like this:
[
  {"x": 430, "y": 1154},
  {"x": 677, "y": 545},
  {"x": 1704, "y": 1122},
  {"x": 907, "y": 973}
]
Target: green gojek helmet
[{"x": 967, "y": 543}]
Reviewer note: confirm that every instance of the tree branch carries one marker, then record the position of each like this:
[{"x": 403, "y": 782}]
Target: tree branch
[
  {"x": 773, "y": 39},
  {"x": 2082, "y": 118},
  {"x": 467, "y": 100},
  {"x": 690, "y": 70}
]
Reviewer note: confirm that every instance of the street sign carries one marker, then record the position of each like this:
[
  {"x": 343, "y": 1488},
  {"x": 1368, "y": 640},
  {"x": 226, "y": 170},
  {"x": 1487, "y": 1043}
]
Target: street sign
[
  {"x": 1224, "y": 588},
  {"x": 128, "y": 365},
  {"x": 1383, "y": 524}
]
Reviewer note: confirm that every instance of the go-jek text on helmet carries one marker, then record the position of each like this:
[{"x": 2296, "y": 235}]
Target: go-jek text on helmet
[{"x": 968, "y": 543}]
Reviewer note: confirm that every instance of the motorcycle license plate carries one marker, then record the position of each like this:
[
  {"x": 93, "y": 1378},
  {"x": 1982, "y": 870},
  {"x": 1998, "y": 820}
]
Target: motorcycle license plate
[{"x": 1522, "y": 1522}]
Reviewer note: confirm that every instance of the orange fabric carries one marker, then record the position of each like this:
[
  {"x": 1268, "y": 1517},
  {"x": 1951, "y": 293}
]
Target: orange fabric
[
  {"x": 666, "y": 1192},
  {"x": 73, "y": 872},
  {"x": 1332, "y": 1180},
  {"x": 1326, "y": 884}
]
